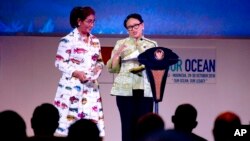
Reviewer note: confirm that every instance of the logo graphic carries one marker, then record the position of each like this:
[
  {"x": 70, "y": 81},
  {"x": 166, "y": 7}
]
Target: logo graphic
[{"x": 159, "y": 54}]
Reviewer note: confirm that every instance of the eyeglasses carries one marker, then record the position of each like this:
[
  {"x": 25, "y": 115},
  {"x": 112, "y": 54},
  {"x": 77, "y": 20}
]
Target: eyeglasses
[
  {"x": 90, "y": 21},
  {"x": 135, "y": 26}
]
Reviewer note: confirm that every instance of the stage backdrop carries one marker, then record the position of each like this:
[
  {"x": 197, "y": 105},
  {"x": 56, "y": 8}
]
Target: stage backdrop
[{"x": 28, "y": 78}]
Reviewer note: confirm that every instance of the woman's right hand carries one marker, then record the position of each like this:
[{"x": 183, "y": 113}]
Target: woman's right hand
[
  {"x": 120, "y": 50},
  {"x": 80, "y": 75},
  {"x": 117, "y": 56}
]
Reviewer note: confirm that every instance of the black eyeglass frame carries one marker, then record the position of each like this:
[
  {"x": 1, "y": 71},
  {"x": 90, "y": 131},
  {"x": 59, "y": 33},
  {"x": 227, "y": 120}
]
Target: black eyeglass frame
[{"x": 135, "y": 26}]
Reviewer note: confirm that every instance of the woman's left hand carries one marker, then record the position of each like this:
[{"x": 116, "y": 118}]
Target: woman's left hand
[{"x": 96, "y": 69}]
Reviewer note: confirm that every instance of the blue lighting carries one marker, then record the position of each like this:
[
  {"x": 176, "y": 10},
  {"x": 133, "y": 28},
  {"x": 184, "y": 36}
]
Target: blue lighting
[{"x": 212, "y": 18}]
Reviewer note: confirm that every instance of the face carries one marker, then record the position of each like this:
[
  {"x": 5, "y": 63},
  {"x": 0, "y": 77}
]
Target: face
[
  {"x": 135, "y": 28},
  {"x": 86, "y": 25}
]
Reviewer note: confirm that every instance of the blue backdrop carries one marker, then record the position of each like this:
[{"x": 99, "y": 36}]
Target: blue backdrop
[{"x": 209, "y": 18}]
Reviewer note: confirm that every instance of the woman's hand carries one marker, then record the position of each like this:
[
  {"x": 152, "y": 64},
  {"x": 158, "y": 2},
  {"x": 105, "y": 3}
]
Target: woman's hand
[
  {"x": 80, "y": 75},
  {"x": 120, "y": 50},
  {"x": 97, "y": 69}
]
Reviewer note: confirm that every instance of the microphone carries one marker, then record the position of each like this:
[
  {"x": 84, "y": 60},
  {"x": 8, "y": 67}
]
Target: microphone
[
  {"x": 149, "y": 41},
  {"x": 141, "y": 67}
]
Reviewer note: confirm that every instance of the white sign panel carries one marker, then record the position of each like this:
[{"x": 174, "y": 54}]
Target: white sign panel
[{"x": 195, "y": 66}]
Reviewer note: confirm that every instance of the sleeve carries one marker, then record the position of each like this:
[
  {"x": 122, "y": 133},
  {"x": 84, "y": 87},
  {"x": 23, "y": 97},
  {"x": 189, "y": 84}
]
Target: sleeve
[
  {"x": 154, "y": 43},
  {"x": 100, "y": 64},
  {"x": 63, "y": 57},
  {"x": 114, "y": 69}
]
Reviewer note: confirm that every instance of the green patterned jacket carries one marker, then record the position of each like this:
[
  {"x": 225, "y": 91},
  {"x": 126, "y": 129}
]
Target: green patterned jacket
[{"x": 125, "y": 81}]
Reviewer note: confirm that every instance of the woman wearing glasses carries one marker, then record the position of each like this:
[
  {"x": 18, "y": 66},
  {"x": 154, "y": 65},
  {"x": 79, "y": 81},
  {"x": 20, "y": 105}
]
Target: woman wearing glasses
[
  {"x": 131, "y": 87},
  {"x": 79, "y": 59}
]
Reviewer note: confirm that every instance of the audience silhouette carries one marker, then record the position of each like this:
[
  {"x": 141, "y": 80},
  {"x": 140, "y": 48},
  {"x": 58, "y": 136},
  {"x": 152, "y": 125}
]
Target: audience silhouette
[
  {"x": 44, "y": 122},
  {"x": 84, "y": 130},
  {"x": 149, "y": 123},
  {"x": 149, "y": 127},
  {"x": 224, "y": 126},
  {"x": 169, "y": 135},
  {"x": 184, "y": 120},
  {"x": 12, "y": 126}
]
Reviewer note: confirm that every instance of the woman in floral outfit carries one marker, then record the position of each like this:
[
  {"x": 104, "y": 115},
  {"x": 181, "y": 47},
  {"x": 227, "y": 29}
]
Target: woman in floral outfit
[{"x": 79, "y": 59}]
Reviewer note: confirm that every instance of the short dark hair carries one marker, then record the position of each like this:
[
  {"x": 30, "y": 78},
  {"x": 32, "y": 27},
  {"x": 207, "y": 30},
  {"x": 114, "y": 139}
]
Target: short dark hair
[
  {"x": 186, "y": 111},
  {"x": 133, "y": 15},
  {"x": 80, "y": 13},
  {"x": 225, "y": 124},
  {"x": 84, "y": 128},
  {"x": 45, "y": 118}
]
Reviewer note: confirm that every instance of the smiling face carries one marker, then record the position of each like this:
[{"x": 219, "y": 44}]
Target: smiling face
[
  {"x": 135, "y": 28},
  {"x": 85, "y": 26}
]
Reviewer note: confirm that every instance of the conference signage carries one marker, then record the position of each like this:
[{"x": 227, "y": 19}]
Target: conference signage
[{"x": 195, "y": 66}]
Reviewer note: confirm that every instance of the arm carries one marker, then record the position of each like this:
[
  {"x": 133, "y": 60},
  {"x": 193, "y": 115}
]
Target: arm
[
  {"x": 63, "y": 56},
  {"x": 96, "y": 71},
  {"x": 114, "y": 63},
  {"x": 63, "y": 59}
]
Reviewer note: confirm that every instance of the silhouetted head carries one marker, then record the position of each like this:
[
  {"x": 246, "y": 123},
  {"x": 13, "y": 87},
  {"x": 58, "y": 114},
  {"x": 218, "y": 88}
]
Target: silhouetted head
[
  {"x": 45, "y": 119},
  {"x": 184, "y": 118},
  {"x": 12, "y": 126},
  {"x": 148, "y": 124},
  {"x": 84, "y": 129},
  {"x": 224, "y": 126}
]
